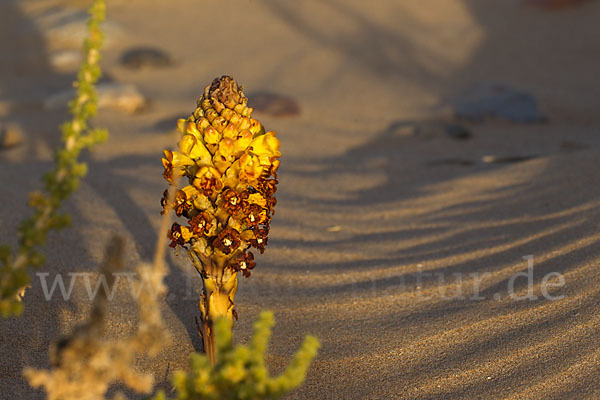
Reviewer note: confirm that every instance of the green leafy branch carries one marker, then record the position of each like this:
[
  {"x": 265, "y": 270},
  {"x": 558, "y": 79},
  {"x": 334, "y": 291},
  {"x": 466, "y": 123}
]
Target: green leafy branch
[
  {"x": 63, "y": 180},
  {"x": 240, "y": 372}
]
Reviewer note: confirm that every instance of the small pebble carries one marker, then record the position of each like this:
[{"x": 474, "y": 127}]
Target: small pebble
[
  {"x": 110, "y": 95},
  {"x": 66, "y": 60},
  {"x": 273, "y": 104},
  {"x": 145, "y": 57},
  {"x": 402, "y": 128},
  {"x": 67, "y": 27},
  {"x": 497, "y": 100},
  {"x": 10, "y": 136},
  {"x": 457, "y": 132}
]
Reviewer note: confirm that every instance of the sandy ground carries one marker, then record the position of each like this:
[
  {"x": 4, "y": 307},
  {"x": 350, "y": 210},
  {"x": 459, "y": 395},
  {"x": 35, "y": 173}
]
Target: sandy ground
[{"x": 380, "y": 235}]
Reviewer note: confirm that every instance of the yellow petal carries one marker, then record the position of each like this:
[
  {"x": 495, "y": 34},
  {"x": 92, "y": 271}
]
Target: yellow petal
[
  {"x": 202, "y": 123},
  {"x": 250, "y": 168},
  {"x": 257, "y": 198},
  {"x": 230, "y": 131},
  {"x": 224, "y": 155},
  {"x": 256, "y": 127},
  {"x": 231, "y": 178},
  {"x": 186, "y": 233},
  {"x": 243, "y": 141},
  {"x": 190, "y": 191},
  {"x": 192, "y": 129},
  {"x": 266, "y": 145},
  {"x": 178, "y": 159},
  {"x": 211, "y": 135},
  {"x": 186, "y": 143}
]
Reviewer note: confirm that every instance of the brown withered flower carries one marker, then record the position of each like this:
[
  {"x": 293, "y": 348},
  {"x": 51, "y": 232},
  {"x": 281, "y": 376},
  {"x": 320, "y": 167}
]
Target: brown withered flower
[
  {"x": 244, "y": 263},
  {"x": 208, "y": 181},
  {"x": 201, "y": 224},
  {"x": 256, "y": 215},
  {"x": 227, "y": 241},
  {"x": 179, "y": 235},
  {"x": 259, "y": 239},
  {"x": 234, "y": 202}
]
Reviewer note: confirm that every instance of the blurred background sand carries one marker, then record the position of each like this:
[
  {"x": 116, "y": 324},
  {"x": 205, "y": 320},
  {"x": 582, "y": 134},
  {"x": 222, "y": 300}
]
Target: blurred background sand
[{"x": 382, "y": 178}]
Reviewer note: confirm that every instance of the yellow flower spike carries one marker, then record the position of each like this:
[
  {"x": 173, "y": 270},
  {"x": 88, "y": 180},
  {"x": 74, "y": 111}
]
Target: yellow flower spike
[{"x": 231, "y": 163}]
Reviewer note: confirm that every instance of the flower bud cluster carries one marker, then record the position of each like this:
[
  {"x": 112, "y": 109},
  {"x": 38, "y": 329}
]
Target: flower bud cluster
[{"x": 230, "y": 163}]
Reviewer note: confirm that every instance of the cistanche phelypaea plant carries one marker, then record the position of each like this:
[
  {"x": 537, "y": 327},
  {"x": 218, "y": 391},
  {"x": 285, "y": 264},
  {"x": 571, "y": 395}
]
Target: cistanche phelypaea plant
[{"x": 231, "y": 164}]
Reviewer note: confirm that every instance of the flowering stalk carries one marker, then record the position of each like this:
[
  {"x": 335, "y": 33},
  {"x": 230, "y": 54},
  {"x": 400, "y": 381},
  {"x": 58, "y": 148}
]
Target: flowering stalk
[
  {"x": 63, "y": 180},
  {"x": 231, "y": 164}
]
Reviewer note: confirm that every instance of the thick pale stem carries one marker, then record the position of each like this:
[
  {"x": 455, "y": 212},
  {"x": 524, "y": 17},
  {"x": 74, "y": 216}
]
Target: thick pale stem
[{"x": 217, "y": 301}]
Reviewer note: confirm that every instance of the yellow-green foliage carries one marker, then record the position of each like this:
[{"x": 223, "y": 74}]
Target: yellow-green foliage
[
  {"x": 240, "y": 372},
  {"x": 60, "y": 182}
]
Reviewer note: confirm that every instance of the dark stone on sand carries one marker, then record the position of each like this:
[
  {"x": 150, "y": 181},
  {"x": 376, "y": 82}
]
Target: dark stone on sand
[
  {"x": 273, "y": 104},
  {"x": 457, "y": 132},
  {"x": 146, "y": 57},
  {"x": 496, "y": 100}
]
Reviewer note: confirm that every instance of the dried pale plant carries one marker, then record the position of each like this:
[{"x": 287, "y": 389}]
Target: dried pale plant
[{"x": 86, "y": 363}]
